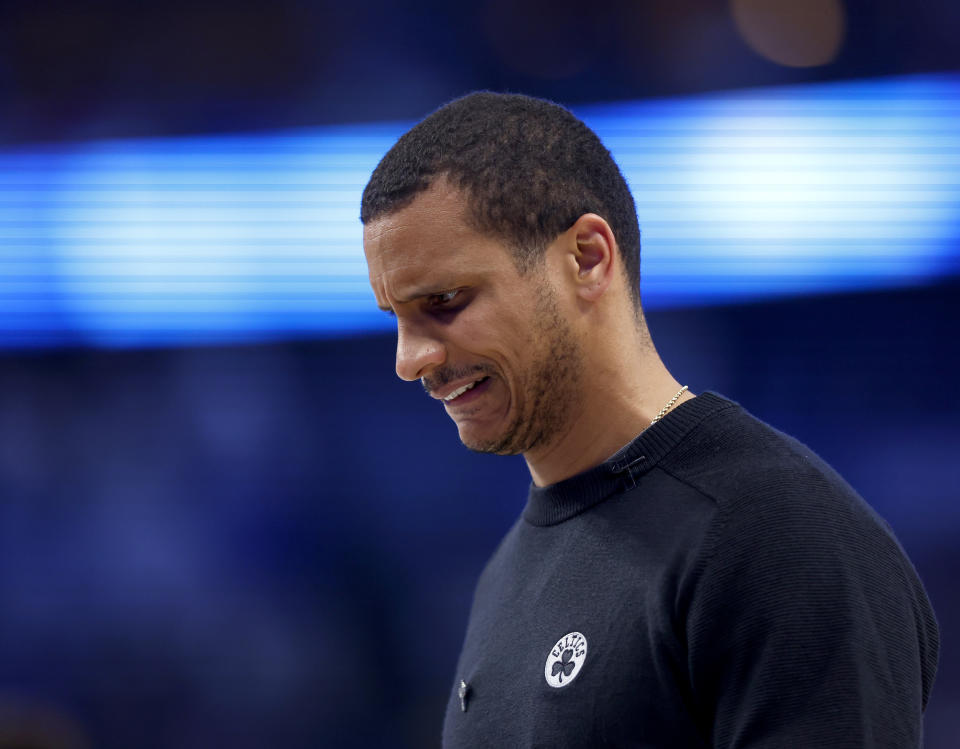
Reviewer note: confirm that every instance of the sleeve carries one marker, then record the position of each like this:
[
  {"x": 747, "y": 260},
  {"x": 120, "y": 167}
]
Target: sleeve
[{"x": 808, "y": 627}]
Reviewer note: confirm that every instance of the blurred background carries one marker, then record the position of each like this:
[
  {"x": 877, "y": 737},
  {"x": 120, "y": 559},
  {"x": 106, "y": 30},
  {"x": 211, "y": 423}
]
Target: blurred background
[{"x": 223, "y": 520}]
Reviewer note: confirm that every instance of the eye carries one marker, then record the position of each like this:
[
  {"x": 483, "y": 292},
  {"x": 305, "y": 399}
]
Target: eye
[{"x": 440, "y": 301}]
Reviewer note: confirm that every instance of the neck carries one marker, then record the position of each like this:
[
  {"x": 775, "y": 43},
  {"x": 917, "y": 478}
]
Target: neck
[{"x": 621, "y": 400}]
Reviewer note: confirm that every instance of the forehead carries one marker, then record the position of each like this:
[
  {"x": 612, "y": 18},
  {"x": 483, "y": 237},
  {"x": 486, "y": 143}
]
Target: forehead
[
  {"x": 430, "y": 237},
  {"x": 438, "y": 209}
]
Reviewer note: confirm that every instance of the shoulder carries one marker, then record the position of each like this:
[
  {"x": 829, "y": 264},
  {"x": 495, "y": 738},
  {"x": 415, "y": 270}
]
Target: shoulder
[
  {"x": 795, "y": 553},
  {"x": 748, "y": 467},
  {"x": 784, "y": 522}
]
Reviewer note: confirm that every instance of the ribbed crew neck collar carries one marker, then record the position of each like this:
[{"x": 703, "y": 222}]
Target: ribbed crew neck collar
[{"x": 550, "y": 505}]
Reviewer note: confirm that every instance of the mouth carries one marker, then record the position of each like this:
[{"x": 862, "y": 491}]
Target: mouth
[{"x": 467, "y": 393}]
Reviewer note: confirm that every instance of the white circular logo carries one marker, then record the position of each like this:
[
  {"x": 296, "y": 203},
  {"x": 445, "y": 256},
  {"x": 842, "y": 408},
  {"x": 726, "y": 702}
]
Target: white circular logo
[{"x": 565, "y": 660}]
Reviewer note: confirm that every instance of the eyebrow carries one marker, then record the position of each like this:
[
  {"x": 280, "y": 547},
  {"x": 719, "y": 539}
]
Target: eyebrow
[{"x": 420, "y": 293}]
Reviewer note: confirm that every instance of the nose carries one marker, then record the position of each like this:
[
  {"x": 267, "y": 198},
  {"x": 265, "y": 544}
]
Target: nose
[{"x": 417, "y": 353}]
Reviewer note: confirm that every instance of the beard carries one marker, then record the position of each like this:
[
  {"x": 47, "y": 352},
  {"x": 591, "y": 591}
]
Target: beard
[{"x": 550, "y": 385}]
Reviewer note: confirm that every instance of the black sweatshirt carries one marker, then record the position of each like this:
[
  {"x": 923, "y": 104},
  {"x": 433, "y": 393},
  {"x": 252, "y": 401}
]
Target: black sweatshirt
[{"x": 713, "y": 584}]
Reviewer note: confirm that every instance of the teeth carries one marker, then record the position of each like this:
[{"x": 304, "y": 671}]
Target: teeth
[{"x": 460, "y": 391}]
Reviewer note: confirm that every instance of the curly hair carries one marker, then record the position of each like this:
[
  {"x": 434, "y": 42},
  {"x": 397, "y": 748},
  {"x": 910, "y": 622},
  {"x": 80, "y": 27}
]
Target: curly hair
[{"x": 529, "y": 167}]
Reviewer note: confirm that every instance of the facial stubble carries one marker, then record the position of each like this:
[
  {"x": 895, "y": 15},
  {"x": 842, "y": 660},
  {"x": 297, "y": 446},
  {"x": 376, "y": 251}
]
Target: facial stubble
[{"x": 549, "y": 387}]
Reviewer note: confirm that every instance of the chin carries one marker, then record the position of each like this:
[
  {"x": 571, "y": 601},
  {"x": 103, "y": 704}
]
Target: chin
[
  {"x": 501, "y": 442},
  {"x": 479, "y": 444},
  {"x": 490, "y": 448}
]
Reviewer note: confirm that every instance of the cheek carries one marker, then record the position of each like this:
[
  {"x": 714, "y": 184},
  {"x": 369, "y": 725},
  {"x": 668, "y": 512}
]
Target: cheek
[
  {"x": 499, "y": 329},
  {"x": 504, "y": 338}
]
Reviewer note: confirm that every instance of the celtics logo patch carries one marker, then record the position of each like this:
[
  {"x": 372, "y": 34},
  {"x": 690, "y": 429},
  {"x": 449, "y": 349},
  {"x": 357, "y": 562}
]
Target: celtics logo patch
[{"x": 565, "y": 660}]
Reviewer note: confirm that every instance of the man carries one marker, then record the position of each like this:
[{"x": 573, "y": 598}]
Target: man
[{"x": 682, "y": 574}]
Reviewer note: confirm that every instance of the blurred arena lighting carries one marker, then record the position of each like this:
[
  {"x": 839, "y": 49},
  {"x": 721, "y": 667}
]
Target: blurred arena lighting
[
  {"x": 745, "y": 195},
  {"x": 795, "y": 33}
]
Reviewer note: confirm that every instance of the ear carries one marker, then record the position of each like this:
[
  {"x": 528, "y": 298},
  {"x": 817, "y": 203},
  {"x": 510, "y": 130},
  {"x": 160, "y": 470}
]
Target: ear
[{"x": 593, "y": 256}]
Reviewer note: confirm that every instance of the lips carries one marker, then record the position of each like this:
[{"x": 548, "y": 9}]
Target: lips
[
  {"x": 450, "y": 384},
  {"x": 462, "y": 392}
]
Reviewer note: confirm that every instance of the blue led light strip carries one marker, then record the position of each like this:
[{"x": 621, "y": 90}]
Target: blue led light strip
[{"x": 250, "y": 238}]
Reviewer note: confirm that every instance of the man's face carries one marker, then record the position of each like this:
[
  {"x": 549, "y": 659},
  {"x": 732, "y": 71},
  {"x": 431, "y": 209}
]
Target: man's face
[{"x": 488, "y": 342}]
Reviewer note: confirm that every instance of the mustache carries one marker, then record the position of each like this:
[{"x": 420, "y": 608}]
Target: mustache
[{"x": 448, "y": 374}]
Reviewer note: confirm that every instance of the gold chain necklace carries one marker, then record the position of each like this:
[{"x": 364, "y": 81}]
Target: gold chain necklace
[{"x": 663, "y": 411}]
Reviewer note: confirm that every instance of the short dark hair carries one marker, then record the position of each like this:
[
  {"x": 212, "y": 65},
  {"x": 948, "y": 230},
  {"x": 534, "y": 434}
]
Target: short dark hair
[{"x": 529, "y": 167}]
